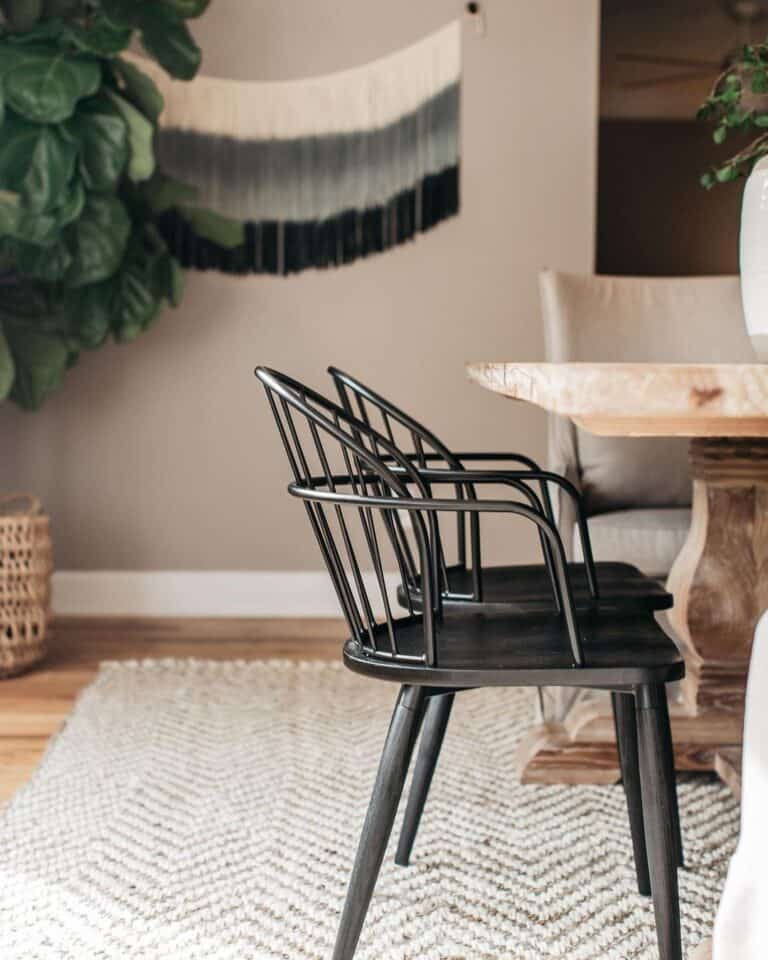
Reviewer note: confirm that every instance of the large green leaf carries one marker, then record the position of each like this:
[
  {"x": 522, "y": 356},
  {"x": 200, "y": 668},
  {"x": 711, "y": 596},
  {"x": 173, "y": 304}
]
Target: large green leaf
[
  {"x": 48, "y": 264},
  {"x": 168, "y": 279},
  {"x": 121, "y": 13},
  {"x": 71, "y": 205},
  {"x": 166, "y": 275},
  {"x": 141, "y": 163},
  {"x": 62, "y": 8},
  {"x": 97, "y": 240},
  {"x": 177, "y": 281},
  {"x": 40, "y": 361},
  {"x": 168, "y": 40},
  {"x": 45, "y": 86},
  {"x": 102, "y": 134},
  {"x": 188, "y": 8},
  {"x": 214, "y": 227},
  {"x": 44, "y": 30},
  {"x": 7, "y": 368},
  {"x": 99, "y": 36},
  {"x": 45, "y": 228},
  {"x": 40, "y": 228},
  {"x": 22, "y": 14},
  {"x": 35, "y": 162},
  {"x": 134, "y": 304},
  {"x": 164, "y": 34},
  {"x": 23, "y": 302},
  {"x": 10, "y": 209},
  {"x": 88, "y": 309},
  {"x": 11, "y": 53},
  {"x": 140, "y": 89},
  {"x": 163, "y": 192}
]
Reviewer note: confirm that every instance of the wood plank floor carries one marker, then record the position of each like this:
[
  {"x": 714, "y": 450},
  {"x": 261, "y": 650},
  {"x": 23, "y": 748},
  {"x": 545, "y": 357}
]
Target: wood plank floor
[{"x": 33, "y": 706}]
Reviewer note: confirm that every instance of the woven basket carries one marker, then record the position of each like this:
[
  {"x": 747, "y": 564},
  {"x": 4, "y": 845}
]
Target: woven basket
[{"x": 26, "y": 561}]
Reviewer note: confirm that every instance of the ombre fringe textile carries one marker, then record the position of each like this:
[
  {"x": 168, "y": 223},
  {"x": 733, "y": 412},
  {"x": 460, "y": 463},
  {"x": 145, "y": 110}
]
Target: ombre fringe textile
[{"x": 321, "y": 171}]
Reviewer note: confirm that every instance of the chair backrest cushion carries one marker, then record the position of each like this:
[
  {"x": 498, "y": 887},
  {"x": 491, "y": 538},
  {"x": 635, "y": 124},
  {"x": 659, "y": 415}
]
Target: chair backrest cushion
[{"x": 640, "y": 319}]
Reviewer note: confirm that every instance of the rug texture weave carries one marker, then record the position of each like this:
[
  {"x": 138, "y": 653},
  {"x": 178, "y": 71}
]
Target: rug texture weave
[{"x": 210, "y": 811}]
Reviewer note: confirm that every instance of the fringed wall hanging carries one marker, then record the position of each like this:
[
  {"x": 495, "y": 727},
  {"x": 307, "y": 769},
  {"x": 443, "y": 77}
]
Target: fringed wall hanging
[{"x": 320, "y": 171}]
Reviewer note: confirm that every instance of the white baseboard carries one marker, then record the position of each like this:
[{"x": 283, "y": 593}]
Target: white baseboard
[{"x": 205, "y": 593}]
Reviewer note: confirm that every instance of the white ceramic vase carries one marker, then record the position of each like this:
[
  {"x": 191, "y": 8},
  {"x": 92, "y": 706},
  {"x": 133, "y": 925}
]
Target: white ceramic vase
[{"x": 753, "y": 255}]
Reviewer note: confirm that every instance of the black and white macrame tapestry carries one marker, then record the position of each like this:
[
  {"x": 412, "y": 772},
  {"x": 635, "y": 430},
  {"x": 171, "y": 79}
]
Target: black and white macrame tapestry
[{"x": 320, "y": 171}]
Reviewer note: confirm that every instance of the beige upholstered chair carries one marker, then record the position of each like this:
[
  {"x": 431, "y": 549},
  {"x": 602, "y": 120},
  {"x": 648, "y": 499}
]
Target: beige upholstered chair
[{"x": 637, "y": 491}]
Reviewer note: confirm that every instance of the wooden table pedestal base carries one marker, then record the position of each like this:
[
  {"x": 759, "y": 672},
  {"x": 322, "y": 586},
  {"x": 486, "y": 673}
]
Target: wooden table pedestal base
[
  {"x": 582, "y": 749},
  {"x": 720, "y": 585}
]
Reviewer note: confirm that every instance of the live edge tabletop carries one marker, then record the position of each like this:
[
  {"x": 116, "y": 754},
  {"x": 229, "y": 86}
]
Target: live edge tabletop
[
  {"x": 641, "y": 399},
  {"x": 719, "y": 580}
]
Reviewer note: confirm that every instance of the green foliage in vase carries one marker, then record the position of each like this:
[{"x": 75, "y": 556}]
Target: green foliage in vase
[
  {"x": 80, "y": 256},
  {"x": 738, "y": 104}
]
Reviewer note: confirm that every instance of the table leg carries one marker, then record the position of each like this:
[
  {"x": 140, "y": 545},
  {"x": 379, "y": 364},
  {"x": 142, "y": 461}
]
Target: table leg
[
  {"x": 720, "y": 584},
  {"x": 719, "y": 580}
]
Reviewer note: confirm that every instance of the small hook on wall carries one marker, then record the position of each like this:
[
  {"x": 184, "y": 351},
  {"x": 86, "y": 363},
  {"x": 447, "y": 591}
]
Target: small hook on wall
[{"x": 476, "y": 12}]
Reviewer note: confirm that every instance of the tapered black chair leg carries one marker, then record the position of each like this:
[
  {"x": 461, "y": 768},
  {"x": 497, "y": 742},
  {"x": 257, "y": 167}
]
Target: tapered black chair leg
[
  {"x": 436, "y": 718},
  {"x": 387, "y": 790},
  {"x": 626, "y": 741},
  {"x": 653, "y": 742},
  {"x": 669, "y": 760}
]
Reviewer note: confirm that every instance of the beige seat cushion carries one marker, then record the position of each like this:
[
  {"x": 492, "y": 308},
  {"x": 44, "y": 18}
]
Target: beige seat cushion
[
  {"x": 620, "y": 473},
  {"x": 650, "y": 539}
]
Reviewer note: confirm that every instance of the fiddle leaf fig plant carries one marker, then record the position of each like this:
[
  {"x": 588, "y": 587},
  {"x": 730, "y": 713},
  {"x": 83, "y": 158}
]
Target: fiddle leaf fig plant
[
  {"x": 81, "y": 258},
  {"x": 738, "y": 104}
]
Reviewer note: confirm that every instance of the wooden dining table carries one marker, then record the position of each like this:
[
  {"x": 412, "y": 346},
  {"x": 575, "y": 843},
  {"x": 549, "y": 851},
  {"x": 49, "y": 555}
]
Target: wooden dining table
[{"x": 720, "y": 578}]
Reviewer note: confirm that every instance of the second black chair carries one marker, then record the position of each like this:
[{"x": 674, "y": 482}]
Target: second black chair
[
  {"x": 469, "y": 585},
  {"x": 467, "y": 581}
]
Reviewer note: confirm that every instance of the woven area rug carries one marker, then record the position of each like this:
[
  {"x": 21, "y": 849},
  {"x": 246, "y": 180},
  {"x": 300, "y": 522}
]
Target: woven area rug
[{"x": 210, "y": 811}]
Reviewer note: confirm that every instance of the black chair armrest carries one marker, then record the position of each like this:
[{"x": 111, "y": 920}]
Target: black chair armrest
[
  {"x": 519, "y": 480},
  {"x": 433, "y": 506}
]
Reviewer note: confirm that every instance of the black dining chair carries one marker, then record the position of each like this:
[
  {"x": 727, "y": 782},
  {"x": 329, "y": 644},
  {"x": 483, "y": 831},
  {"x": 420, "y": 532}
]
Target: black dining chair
[
  {"x": 354, "y": 485},
  {"x": 467, "y": 583}
]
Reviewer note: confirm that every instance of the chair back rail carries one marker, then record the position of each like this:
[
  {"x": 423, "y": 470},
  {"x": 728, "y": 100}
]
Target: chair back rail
[{"x": 422, "y": 441}]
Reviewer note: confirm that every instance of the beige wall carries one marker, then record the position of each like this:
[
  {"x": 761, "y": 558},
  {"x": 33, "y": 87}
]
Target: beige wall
[{"x": 160, "y": 455}]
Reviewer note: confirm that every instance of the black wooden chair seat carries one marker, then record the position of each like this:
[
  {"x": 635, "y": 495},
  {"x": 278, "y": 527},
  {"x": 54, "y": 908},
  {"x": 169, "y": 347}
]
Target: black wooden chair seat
[
  {"x": 476, "y": 649},
  {"x": 525, "y": 587}
]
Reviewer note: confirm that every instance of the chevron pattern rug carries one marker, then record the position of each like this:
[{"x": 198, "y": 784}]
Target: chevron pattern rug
[{"x": 210, "y": 811}]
